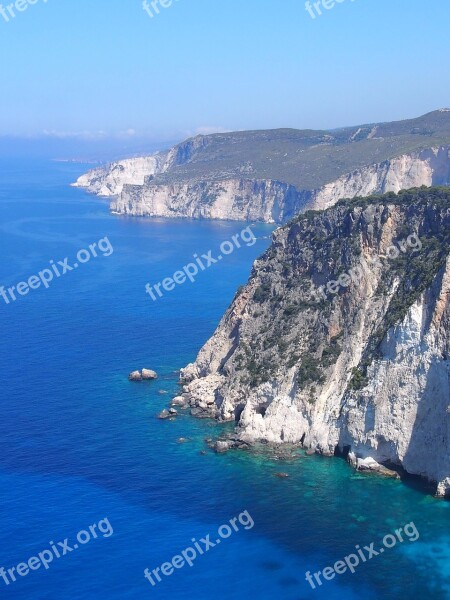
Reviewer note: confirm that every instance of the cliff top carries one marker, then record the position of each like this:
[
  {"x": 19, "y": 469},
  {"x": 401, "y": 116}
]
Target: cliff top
[{"x": 307, "y": 158}]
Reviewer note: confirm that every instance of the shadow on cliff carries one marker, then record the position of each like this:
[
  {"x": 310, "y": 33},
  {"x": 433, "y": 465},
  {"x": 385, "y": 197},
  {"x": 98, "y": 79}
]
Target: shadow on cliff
[{"x": 430, "y": 438}]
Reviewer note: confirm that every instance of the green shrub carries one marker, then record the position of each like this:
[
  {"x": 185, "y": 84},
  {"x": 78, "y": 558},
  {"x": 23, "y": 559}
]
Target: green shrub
[
  {"x": 358, "y": 380},
  {"x": 309, "y": 371},
  {"x": 262, "y": 293}
]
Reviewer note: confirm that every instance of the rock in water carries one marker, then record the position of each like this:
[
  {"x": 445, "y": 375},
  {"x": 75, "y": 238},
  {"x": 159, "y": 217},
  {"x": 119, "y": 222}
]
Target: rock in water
[
  {"x": 135, "y": 376},
  {"x": 221, "y": 446},
  {"x": 164, "y": 414},
  {"x": 148, "y": 374},
  {"x": 144, "y": 375},
  {"x": 179, "y": 401}
]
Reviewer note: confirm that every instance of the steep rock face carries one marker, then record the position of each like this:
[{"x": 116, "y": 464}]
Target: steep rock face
[
  {"x": 428, "y": 167},
  {"x": 245, "y": 199},
  {"x": 109, "y": 181},
  {"x": 361, "y": 366},
  {"x": 213, "y": 176},
  {"x": 234, "y": 199}
]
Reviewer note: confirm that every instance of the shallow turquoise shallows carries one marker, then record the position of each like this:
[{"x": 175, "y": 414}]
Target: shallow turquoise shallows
[{"x": 79, "y": 443}]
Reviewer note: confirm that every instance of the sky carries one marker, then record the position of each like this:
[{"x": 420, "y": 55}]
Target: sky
[{"x": 104, "y": 69}]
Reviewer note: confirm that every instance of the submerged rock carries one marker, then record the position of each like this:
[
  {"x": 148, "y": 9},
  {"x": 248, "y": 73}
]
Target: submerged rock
[
  {"x": 220, "y": 446},
  {"x": 164, "y": 414}
]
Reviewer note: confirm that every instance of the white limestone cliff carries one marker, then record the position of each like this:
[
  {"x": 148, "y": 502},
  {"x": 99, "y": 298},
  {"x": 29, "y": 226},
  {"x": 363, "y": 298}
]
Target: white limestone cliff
[
  {"x": 138, "y": 192},
  {"x": 428, "y": 167},
  {"x": 399, "y": 414},
  {"x": 110, "y": 180},
  {"x": 232, "y": 199}
]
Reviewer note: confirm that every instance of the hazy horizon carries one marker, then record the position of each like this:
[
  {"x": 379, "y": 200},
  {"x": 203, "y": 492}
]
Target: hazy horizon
[
  {"x": 104, "y": 148},
  {"x": 85, "y": 74}
]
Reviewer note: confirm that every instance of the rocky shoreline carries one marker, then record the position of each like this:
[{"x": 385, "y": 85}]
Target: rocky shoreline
[
  {"x": 365, "y": 374},
  {"x": 282, "y": 452}
]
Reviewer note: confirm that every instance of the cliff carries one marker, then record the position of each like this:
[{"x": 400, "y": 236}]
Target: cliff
[
  {"x": 270, "y": 176},
  {"x": 340, "y": 340},
  {"x": 274, "y": 201},
  {"x": 109, "y": 181}
]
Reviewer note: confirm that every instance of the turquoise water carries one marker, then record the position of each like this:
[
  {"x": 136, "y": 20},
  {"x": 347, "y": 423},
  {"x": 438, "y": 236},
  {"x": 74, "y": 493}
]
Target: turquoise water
[{"x": 79, "y": 443}]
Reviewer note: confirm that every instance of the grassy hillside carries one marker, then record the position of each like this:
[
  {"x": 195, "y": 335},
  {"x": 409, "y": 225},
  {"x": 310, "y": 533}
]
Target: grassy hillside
[{"x": 308, "y": 158}]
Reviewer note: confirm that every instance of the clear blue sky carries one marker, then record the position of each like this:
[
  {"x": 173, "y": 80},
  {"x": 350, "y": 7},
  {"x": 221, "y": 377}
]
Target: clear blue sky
[{"x": 71, "y": 66}]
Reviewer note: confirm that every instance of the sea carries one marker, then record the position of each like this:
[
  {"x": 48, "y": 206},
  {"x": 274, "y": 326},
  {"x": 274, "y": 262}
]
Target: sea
[{"x": 80, "y": 445}]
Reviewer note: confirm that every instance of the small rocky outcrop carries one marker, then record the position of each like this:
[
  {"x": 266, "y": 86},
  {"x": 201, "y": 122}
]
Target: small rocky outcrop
[
  {"x": 135, "y": 376},
  {"x": 370, "y": 465},
  {"x": 231, "y": 442},
  {"x": 144, "y": 375},
  {"x": 179, "y": 401},
  {"x": 221, "y": 446},
  {"x": 443, "y": 489},
  {"x": 148, "y": 375},
  {"x": 167, "y": 414}
]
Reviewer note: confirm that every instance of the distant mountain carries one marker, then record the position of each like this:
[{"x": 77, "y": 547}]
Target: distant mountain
[{"x": 272, "y": 175}]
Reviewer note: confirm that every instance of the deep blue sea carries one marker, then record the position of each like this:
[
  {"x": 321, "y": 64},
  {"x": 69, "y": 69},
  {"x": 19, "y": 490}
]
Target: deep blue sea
[{"x": 79, "y": 443}]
